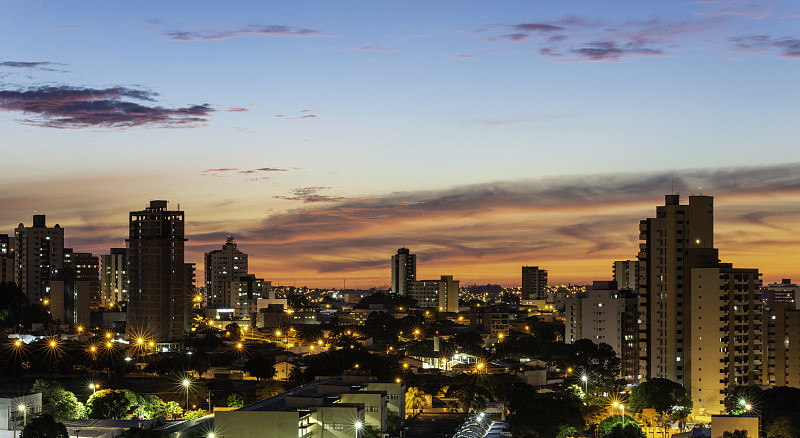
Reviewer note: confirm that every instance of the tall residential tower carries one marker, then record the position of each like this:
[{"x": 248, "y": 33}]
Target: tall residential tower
[
  {"x": 158, "y": 292},
  {"x": 39, "y": 254},
  {"x": 223, "y": 266},
  {"x": 404, "y": 270}
]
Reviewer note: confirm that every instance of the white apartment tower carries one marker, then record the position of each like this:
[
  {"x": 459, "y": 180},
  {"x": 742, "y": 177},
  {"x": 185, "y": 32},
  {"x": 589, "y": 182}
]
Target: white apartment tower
[{"x": 222, "y": 267}]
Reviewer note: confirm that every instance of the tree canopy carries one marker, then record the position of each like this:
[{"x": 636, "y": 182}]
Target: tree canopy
[
  {"x": 56, "y": 401},
  {"x": 663, "y": 395},
  {"x": 44, "y": 426}
]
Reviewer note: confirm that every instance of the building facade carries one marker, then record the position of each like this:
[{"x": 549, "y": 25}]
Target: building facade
[
  {"x": 6, "y": 259},
  {"x": 404, "y": 270},
  {"x": 626, "y": 274},
  {"x": 85, "y": 267},
  {"x": 782, "y": 345},
  {"x": 440, "y": 294},
  {"x": 157, "y": 297},
  {"x": 114, "y": 277},
  {"x": 223, "y": 266},
  {"x": 39, "y": 254},
  {"x": 534, "y": 283},
  {"x": 664, "y": 273}
]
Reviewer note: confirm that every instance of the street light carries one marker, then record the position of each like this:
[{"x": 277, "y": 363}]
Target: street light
[
  {"x": 585, "y": 380},
  {"x": 186, "y": 384},
  {"x": 24, "y": 411}
]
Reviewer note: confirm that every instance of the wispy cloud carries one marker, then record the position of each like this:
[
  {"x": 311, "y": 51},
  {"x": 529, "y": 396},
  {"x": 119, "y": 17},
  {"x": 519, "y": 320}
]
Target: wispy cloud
[
  {"x": 304, "y": 114},
  {"x": 310, "y": 195},
  {"x": 576, "y": 38},
  {"x": 276, "y": 31},
  {"x": 39, "y": 65},
  {"x": 238, "y": 110},
  {"x": 372, "y": 49},
  {"x": 787, "y": 47},
  {"x": 743, "y": 8},
  {"x": 76, "y": 107},
  {"x": 225, "y": 171},
  {"x": 461, "y": 57}
]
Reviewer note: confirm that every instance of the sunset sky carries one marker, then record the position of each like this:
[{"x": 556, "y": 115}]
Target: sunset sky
[{"x": 484, "y": 136}]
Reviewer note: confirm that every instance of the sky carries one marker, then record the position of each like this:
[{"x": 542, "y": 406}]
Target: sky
[{"x": 484, "y": 136}]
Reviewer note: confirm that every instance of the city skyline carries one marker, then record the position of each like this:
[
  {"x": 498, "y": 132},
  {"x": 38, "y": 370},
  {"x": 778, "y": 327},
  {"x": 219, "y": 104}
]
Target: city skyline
[{"x": 325, "y": 136}]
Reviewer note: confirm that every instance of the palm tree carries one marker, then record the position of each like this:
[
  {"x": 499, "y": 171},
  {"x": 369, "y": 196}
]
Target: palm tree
[{"x": 415, "y": 399}]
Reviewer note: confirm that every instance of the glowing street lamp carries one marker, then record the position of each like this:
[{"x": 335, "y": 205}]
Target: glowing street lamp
[
  {"x": 585, "y": 380},
  {"x": 186, "y": 384},
  {"x": 24, "y": 411},
  {"x": 93, "y": 387}
]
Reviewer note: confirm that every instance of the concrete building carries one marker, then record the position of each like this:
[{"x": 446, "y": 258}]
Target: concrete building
[
  {"x": 606, "y": 314},
  {"x": 114, "y": 277},
  {"x": 534, "y": 283},
  {"x": 6, "y": 259},
  {"x": 245, "y": 291},
  {"x": 329, "y": 408},
  {"x": 782, "y": 345},
  {"x": 664, "y": 273},
  {"x": 490, "y": 319},
  {"x": 222, "y": 267},
  {"x": 626, "y": 274},
  {"x": 70, "y": 297},
  {"x": 15, "y": 409},
  {"x": 724, "y": 324},
  {"x": 439, "y": 294},
  {"x": 783, "y": 292},
  {"x": 404, "y": 270},
  {"x": 39, "y": 253},
  {"x": 85, "y": 267},
  {"x": 157, "y": 298}
]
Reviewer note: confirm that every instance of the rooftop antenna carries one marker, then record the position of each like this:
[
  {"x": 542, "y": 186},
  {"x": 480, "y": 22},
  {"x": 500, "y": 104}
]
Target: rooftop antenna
[{"x": 673, "y": 183}]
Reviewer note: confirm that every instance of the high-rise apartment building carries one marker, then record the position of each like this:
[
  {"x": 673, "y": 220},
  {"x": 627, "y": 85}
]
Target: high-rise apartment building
[
  {"x": 441, "y": 294},
  {"x": 157, "y": 296},
  {"x": 114, "y": 277},
  {"x": 85, "y": 267},
  {"x": 39, "y": 254},
  {"x": 6, "y": 259},
  {"x": 245, "y": 292},
  {"x": 724, "y": 341},
  {"x": 534, "y": 283},
  {"x": 664, "y": 276},
  {"x": 404, "y": 270},
  {"x": 606, "y": 314},
  {"x": 222, "y": 267},
  {"x": 783, "y": 292},
  {"x": 782, "y": 345},
  {"x": 626, "y": 274}
]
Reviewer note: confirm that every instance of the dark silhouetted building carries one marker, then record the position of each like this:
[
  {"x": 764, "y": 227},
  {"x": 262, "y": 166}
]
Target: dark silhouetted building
[
  {"x": 404, "y": 270},
  {"x": 39, "y": 254},
  {"x": 534, "y": 283},
  {"x": 157, "y": 297}
]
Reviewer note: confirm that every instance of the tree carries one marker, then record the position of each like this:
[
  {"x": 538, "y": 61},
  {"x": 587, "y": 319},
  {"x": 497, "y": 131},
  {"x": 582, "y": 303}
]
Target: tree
[
  {"x": 108, "y": 404},
  {"x": 567, "y": 431},
  {"x": 267, "y": 389},
  {"x": 191, "y": 415},
  {"x": 233, "y": 331},
  {"x": 738, "y": 397},
  {"x": 235, "y": 401},
  {"x": 44, "y": 426},
  {"x": 606, "y": 427},
  {"x": 171, "y": 409},
  {"x": 136, "y": 432},
  {"x": 630, "y": 430},
  {"x": 297, "y": 302},
  {"x": 57, "y": 401},
  {"x": 663, "y": 395},
  {"x": 260, "y": 367},
  {"x": 415, "y": 400},
  {"x": 784, "y": 426},
  {"x": 735, "y": 434}
]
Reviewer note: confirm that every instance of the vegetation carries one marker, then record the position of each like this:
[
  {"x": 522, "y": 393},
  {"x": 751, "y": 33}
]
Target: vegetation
[
  {"x": 56, "y": 401},
  {"x": 44, "y": 426}
]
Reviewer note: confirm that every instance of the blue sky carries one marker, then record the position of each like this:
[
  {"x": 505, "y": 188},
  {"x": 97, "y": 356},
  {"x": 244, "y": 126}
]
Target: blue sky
[{"x": 250, "y": 112}]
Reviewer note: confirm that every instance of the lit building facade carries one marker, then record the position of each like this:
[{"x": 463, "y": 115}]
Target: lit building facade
[
  {"x": 114, "y": 278},
  {"x": 626, "y": 274},
  {"x": 223, "y": 266},
  {"x": 439, "y": 294}
]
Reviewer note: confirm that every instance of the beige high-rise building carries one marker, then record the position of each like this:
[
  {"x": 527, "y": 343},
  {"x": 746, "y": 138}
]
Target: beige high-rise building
[
  {"x": 782, "y": 345},
  {"x": 157, "y": 297},
  {"x": 114, "y": 277},
  {"x": 664, "y": 275},
  {"x": 223, "y": 266},
  {"x": 725, "y": 328},
  {"x": 39, "y": 254}
]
